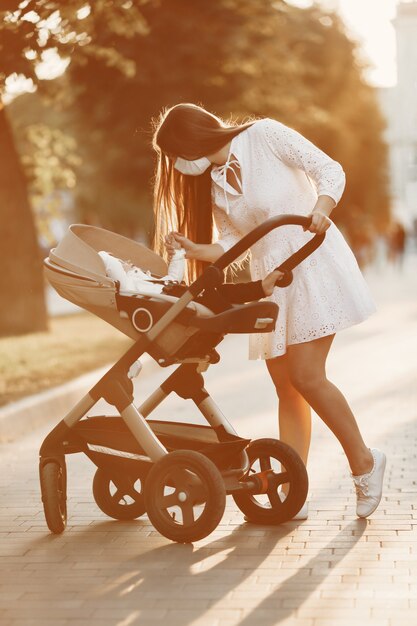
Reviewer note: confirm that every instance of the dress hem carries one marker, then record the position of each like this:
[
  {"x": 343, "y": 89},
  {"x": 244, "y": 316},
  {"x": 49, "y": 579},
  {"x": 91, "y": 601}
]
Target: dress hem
[{"x": 326, "y": 334}]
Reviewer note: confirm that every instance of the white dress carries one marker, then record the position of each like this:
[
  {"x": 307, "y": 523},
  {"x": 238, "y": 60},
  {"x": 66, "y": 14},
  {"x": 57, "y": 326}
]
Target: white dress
[{"x": 282, "y": 172}]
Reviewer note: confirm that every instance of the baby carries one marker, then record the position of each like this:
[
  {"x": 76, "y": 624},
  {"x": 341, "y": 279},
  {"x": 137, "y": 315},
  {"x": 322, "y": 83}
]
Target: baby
[
  {"x": 134, "y": 280},
  {"x": 227, "y": 293}
]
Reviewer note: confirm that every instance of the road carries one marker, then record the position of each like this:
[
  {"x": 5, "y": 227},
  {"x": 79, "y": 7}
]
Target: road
[{"x": 330, "y": 570}]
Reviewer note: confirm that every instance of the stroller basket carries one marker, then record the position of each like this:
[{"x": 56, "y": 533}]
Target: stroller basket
[{"x": 111, "y": 434}]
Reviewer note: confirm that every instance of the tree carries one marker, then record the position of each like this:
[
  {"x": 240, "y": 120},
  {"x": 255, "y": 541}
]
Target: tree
[
  {"x": 265, "y": 58},
  {"x": 21, "y": 282},
  {"x": 28, "y": 31}
]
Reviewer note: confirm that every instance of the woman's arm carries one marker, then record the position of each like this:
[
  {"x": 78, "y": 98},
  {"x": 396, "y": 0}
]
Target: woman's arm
[
  {"x": 239, "y": 293},
  {"x": 296, "y": 151},
  {"x": 208, "y": 252},
  {"x": 320, "y": 221},
  {"x": 324, "y": 205}
]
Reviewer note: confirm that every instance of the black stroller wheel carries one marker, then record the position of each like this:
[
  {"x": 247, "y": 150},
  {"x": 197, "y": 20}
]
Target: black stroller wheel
[
  {"x": 54, "y": 498},
  {"x": 280, "y": 465},
  {"x": 119, "y": 497},
  {"x": 185, "y": 496}
]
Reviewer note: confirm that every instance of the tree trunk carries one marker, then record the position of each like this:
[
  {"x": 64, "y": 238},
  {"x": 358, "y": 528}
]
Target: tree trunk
[{"x": 23, "y": 307}]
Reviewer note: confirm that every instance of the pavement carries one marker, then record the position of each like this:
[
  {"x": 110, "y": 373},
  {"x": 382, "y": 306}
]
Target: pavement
[{"x": 330, "y": 570}]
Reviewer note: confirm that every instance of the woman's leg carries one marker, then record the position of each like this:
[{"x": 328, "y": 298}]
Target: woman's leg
[
  {"x": 294, "y": 412},
  {"x": 307, "y": 372}
]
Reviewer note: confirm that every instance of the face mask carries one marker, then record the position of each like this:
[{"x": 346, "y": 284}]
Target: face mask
[{"x": 192, "y": 168}]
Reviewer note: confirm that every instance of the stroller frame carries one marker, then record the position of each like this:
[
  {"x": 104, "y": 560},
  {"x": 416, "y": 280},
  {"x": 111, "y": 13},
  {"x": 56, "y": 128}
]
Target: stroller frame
[{"x": 116, "y": 388}]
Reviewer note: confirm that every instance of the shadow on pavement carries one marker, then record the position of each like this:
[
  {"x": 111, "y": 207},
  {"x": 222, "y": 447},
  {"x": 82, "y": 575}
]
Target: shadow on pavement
[
  {"x": 189, "y": 580},
  {"x": 186, "y": 579},
  {"x": 306, "y": 579}
]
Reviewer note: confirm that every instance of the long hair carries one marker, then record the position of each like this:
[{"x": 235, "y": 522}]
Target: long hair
[{"x": 183, "y": 203}]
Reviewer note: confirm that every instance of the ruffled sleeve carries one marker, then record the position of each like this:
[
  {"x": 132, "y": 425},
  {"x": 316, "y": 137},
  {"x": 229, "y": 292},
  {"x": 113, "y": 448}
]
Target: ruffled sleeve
[{"x": 296, "y": 151}]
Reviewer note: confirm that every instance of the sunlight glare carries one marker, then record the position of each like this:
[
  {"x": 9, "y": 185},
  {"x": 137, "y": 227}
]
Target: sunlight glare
[
  {"x": 130, "y": 619},
  {"x": 369, "y": 23},
  {"x": 84, "y": 12},
  {"x": 31, "y": 16},
  {"x": 15, "y": 85},
  {"x": 51, "y": 65},
  {"x": 209, "y": 562}
]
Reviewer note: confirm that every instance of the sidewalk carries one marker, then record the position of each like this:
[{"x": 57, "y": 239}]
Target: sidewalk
[
  {"x": 49, "y": 407},
  {"x": 330, "y": 570}
]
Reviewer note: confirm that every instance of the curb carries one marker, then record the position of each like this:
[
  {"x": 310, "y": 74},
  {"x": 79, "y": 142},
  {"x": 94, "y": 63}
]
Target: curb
[{"x": 19, "y": 418}]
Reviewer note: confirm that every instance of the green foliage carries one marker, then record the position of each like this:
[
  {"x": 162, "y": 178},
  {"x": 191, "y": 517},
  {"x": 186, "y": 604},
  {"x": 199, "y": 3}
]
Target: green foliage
[
  {"x": 32, "y": 27},
  {"x": 51, "y": 163},
  {"x": 30, "y": 32},
  {"x": 267, "y": 58},
  {"x": 51, "y": 159},
  {"x": 264, "y": 58}
]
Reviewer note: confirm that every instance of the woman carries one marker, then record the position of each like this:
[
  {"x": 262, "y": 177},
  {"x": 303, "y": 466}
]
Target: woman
[{"x": 241, "y": 175}]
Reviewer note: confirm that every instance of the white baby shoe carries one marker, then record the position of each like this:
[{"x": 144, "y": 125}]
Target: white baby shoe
[
  {"x": 369, "y": 486},
  {"x": 301, "y": 515}
]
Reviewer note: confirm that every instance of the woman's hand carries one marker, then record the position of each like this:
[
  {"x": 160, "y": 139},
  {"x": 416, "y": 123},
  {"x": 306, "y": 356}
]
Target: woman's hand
[
  {"x": 175, "y": 241},
  {"x": 319, "y": 222},
  {"x": 268, "y": 283},
  {"x": 207, "y": 252}
]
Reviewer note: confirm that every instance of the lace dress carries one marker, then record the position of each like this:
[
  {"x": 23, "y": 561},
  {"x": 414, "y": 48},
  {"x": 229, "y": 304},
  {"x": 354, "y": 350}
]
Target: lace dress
[{"x": 276, "y": 170}]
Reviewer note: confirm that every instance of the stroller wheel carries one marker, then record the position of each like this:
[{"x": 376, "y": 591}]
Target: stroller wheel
[
  {"x": 53, "y": 480},
  {"x": 278, "y": 465},
  {"x": 185, "y": 496},
  {"x": 120, "y": 496}
]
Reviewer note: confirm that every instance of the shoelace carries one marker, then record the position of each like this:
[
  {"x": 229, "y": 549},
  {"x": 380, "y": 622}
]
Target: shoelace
[{"x": 361, "y": 486}]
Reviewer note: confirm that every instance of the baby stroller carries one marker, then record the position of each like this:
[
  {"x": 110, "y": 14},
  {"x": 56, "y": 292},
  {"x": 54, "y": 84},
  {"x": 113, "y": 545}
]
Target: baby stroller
[{"x": 178, "y": 473}]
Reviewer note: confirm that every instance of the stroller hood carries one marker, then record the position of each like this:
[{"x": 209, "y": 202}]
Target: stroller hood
[
  {"x": 75, "y": 270},
  {"x": 78, "y": 252}
]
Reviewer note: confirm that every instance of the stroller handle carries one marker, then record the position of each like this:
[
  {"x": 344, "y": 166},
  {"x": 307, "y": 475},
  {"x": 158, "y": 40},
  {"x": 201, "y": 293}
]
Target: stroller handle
[
  {"x": 212, "y": 276},
  {"x": 263, "y": 229}
]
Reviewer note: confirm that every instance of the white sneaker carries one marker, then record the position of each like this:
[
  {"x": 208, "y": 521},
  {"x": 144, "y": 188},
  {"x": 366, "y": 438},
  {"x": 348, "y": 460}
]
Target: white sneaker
[
  {"x": 302, "y": 513},
  {"x": 369, "y": 486}
]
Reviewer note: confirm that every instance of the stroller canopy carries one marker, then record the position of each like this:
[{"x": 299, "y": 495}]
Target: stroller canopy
[
  {"x": 76, "y": 271},
  {"x": 78, "y": 252}
]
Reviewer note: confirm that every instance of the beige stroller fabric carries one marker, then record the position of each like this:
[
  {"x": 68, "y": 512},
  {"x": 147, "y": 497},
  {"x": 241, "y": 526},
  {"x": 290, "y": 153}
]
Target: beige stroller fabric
[
  {"x": 78, "y": 252},
  {"x": 76, "y": 271}
]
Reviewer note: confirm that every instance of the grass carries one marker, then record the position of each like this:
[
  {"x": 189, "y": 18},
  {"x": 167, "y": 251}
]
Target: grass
[{"x": 74, "y": 345}]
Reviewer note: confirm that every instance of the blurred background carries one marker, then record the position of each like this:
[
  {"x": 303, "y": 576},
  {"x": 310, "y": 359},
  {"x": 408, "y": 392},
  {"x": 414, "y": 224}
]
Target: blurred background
[{"x": 80, "y": 83}]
